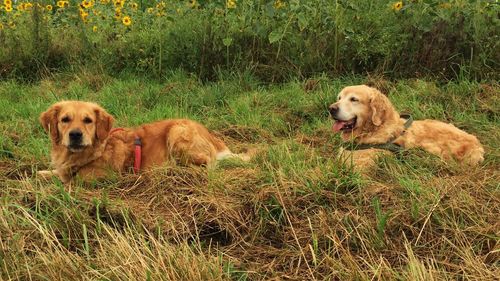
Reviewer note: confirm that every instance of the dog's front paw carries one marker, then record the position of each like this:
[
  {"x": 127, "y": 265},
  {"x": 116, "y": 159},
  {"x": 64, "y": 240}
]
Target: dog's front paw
[{"x": 46, "y": 175}]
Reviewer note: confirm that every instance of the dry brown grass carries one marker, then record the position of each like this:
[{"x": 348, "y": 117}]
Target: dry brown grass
[
  {"x": 191, "y": 224},
  {"x": 292, "y": 213}
]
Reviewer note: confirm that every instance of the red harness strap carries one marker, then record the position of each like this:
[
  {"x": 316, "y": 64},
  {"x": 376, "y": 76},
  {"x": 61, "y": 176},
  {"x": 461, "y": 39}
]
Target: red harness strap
[
  {"x": 138, "y": 154},
  {"x": 137, "y": 150}
]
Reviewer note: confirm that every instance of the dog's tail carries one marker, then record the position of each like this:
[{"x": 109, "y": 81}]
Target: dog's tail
[
  {"x": 476, "y": 156},
  {"x": 471, "y": 153},
  {"x": 227, "y": 154}
]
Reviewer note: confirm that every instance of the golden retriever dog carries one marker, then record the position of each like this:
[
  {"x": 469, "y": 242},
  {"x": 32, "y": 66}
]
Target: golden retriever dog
[
  {"x": 365, "y": 116},
  {"x": 85, "y": 145}
]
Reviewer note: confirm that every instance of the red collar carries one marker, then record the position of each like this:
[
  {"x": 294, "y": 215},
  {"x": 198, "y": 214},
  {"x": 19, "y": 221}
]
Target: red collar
[{"x": 137, "y": 150}]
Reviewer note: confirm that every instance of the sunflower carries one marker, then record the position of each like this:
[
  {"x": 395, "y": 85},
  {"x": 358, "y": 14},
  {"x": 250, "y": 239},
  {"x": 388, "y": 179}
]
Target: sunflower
[
  {"x": 119, "y": 3},
  {"x": 127, "y": 20},
  {"x": 193, "y": 4},
  {"x": 118, "y": 14},
  {"x": 62, "y": 4},
  {"x": 231, "y": 4},
  {"x": 48, "y": 7},
  {"x": 161, "y": 5},
  {"x": 397, "y": 6},
  {"x": 12, "y": 24},
  {"x": 7, "y": 2},
  {"x": 278, "y": 4},
  {"x": 94, "y": 28},
  {"x": 1, "y": 26},
  {"x": 87, "y": 4},
  {"x": 28, "y": 6},
  {"x": 134, "y": 5},
  {"x": 84, "y": 15},
  {"x": 150, "y": 10},
  {"x": 8, "y": 9}
]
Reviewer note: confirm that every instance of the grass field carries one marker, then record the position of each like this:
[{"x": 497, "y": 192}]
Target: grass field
[{"x": 293, "y": 213}]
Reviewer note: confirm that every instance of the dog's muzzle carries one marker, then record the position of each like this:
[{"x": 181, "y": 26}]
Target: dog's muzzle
[
  {"x": 75, "y": 139},
  {"x": 333, "y": 109}
]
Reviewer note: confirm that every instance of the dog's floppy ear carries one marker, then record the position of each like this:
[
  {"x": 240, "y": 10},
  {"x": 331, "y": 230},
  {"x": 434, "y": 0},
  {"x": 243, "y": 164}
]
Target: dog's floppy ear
[
  {"x": 48, "y": 119},
  {"x": 104, "y": 123},
  {"x": 380, "y": 107}
]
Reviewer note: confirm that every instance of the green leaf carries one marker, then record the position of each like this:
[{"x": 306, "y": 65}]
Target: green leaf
[
  {"x": 302, "y": 21},
  {"x": 275, "y": 36},
  {"x": 227, "y": 41}
]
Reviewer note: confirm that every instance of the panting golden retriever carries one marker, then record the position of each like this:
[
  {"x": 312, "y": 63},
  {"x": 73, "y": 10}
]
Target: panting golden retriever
[
  {"x": 85, "y": 145},
  {"x": 365, "y": 116}
]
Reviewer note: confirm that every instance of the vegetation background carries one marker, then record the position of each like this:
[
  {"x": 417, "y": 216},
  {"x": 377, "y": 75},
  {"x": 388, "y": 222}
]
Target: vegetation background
[
  {"x": 260, "y": 74},
  {"x": 272, "y": 40}
]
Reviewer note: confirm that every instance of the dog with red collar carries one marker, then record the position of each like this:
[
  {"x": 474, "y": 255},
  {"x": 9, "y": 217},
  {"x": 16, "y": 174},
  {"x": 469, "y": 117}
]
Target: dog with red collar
[{"x": 85, "y": 145}]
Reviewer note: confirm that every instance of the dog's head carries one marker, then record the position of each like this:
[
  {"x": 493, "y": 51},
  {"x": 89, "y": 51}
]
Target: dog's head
[
  {"x": 360, "y": 109},
  {"x": 76, "y": 125}
]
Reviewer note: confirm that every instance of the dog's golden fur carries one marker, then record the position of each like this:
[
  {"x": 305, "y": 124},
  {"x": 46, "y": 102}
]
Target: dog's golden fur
[
  {"x": 101, "y": 150},
  {"x": 375, "y": 121}
]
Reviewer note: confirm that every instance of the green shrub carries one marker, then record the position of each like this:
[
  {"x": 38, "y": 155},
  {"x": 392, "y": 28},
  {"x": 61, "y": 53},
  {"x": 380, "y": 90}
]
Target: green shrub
[{"x": 273, "y": 40}]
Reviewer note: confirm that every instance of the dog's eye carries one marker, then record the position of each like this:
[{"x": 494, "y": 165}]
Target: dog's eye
[
  {"x": 338, "y": 98},
  {"x": 353, "y": 99},
  {"x": 87, "y": 120},
  {"x": 65, "y": 119}
]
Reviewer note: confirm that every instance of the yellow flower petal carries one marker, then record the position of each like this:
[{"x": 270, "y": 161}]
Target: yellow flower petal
[{"x": 127, "y": 21}]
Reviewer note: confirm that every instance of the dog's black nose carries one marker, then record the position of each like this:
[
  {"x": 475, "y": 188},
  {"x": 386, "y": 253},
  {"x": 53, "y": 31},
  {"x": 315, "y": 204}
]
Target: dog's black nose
[
  {"x": 75, "y": 135},
  {"x": 333, "y": 109}
]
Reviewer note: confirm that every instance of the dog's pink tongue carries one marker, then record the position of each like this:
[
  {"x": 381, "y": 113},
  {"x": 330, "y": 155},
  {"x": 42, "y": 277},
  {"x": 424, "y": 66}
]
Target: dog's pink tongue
[{"x": 338, "y": 125}]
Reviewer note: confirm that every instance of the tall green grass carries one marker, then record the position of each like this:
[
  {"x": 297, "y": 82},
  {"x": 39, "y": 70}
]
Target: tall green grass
[{"x": 293, "y": 211}]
